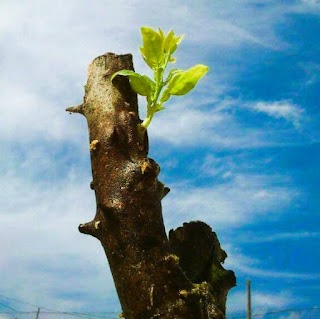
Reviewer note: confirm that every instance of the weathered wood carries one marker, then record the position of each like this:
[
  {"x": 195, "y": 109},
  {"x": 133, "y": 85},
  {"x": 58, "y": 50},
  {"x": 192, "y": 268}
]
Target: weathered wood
[
  {"x": 201, "y": 256},
  {"x": 128, "y": 219}
]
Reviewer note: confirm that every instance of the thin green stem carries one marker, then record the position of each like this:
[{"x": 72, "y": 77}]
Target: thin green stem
[
  {"x": 148, "y": 119},
  {"x": 152, "y": 106}
]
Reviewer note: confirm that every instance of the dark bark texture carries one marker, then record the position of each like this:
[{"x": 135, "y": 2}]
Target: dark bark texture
[{"x": 155, "y": 277}]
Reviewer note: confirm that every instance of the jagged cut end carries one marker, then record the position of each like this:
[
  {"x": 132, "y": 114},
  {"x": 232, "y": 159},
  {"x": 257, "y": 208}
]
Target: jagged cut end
[{"x": 201, "y": 257}]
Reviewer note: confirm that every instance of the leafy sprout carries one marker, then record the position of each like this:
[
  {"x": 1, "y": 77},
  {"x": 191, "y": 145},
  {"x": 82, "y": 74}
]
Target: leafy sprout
[{"x": 157, "y": 51}]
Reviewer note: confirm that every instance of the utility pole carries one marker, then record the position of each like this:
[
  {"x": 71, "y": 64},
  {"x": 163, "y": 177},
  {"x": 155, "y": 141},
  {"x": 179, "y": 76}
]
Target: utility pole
[
  {"x": 38, "y": 312},
  {"x": 248, "y": 299}
]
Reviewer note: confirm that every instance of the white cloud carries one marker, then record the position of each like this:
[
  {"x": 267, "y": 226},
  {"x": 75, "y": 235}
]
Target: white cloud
[
  {"x": 292, "y": 315},
  {"x": 221, "y": 123},
  {"x": 214, "y": 166},
  {"x": 41, "y": 244},
  {"x": 261, "y": 301},
  {"x": 264, "y": 273},
  {"x": 280, "y": 110},
  {"x": 227, "y": 166},
  {"x": 264, "y": 238},
  {"x": 188, "y": 125},
  {"x": 241, "y": 200},
  {"x": 26, "y": 116},
  {"x": 244, "y": 265},
  {"x": 47, "y": 260},
  {"x": 306, "y": 7},
  {"x": 233, "y": 24},
  {"x": 312, "y": 2},
  {"x": 48, "y": 47},
  {"x": 312, "y": 73},
  {"x": 301, "y": 314}
]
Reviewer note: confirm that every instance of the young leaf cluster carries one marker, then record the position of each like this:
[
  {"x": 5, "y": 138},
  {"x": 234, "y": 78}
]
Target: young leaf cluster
[{"x": 157, "y": 50}]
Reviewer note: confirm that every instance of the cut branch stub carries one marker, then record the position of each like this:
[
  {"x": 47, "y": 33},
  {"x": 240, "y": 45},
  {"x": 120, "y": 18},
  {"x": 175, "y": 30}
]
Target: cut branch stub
[{"x": 200, "y": 257}]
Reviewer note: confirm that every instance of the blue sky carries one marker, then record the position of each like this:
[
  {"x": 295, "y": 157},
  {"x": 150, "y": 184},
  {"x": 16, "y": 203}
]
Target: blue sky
[{"x": 241, "y": 152}]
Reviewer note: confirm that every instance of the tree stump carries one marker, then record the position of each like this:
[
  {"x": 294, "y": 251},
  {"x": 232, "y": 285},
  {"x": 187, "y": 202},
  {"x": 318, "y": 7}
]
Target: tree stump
[{"x": 154, "y": 277}]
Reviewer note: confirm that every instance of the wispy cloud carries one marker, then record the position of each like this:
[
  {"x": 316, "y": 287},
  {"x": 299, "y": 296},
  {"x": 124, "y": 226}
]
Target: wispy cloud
[
  {"x": 292, "y": 315},
  {"x": 280, "y": 110},
  {"x": 47, "y": 260},
  {"x": 301, "y": 314},
  {"x": 253, "y": 268},
  {"x": 261, "y": 301},
  {"x": 264, "y": 273},
  {"x": 306, "y": 7},
  {"x": 215, "y": 166},
  {"x": 312, "y": 73},
  {"x": 189, "y": 124},
  {"x": 265, "y": 238},
  {"x": 221, "y": 122},
  {"x": 312, "y": 2},
  {"x": 243, "y": 199},
  {"x": 27, "y": 116},
  {"x": 44, "y": 64}
]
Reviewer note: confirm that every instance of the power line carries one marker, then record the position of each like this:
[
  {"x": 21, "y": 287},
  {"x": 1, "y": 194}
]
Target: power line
[
  {"x": 92, "y": 315},
  {"x": 103, "y": 314},
  {"x": 277, "y": 312},
  {"x": 6, "y": 306},
  {"x": 24, "y": 302},
  {"x": 51, "y": 311},
  {"x": 75, "y": 314}
]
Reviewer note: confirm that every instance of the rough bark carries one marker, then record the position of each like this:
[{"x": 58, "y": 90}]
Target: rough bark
[{"x": 150, "y": 278}]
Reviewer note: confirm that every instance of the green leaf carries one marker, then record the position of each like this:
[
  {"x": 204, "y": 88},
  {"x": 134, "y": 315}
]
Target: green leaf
[
  {"x": 152, "y": 49},
  {"x": 172, "y": 73},
  {"x": 165, "y": 96},
  {"x": 162, "y": 34},
  {"x": 171, "y": 42},
  {"x": 141, "y": 84},
  {"x": 184, "y": 81},
  {"x": 159, "y": 108},
  {"x": 122, "y": 72}
]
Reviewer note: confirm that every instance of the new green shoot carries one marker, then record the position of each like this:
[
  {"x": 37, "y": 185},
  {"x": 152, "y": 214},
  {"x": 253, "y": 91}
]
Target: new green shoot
[{"x": 157, "y": 51}]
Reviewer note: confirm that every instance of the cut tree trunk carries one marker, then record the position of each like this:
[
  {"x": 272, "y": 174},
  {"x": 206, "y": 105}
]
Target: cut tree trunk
[{"x": 155, "y": 277}]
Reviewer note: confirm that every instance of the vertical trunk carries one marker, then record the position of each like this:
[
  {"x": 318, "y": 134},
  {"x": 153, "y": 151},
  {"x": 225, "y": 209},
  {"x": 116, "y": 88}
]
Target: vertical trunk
[{"x": 128, "y": 220}]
